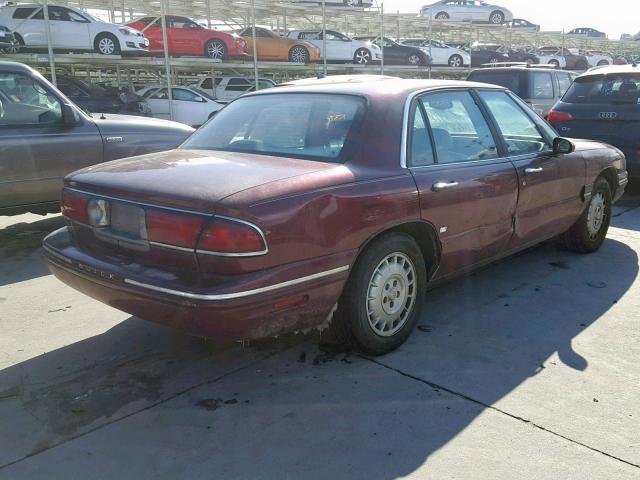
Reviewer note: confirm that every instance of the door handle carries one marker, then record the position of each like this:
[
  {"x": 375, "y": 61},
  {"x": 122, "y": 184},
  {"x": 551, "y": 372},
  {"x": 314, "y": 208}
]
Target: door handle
[
  {"x": 438, "y": 187},
  {"x": 533, "y": 170}
]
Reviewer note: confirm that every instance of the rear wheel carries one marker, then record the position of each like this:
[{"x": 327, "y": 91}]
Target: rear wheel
[
  {"x": 442, "y": 16},
  {"x": 555, "y": 63},
  {"x": 602, "y": 63},
  {"x": 107, "y": 44},
  {"x": 215, "y": 49},
  {"x": 455, "y": 61},
  {"x": 16, "y": 46},
  {"x": 299, "y": 54},
  {"x": 496, "y": 18},
  {"x": 416, "y": 60},
  {"x": 362, "y": 56},
  {"x": 382, "y": 301},
  {"x": 589, "y": 232}
]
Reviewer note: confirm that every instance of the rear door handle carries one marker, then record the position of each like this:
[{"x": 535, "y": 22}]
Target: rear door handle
[
  {"x": 438, "y": 187},
  {"x": 533, "y": 170}
]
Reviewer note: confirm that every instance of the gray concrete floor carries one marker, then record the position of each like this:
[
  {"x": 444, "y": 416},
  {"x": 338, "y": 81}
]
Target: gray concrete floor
[{"x": 528, "y": 369}]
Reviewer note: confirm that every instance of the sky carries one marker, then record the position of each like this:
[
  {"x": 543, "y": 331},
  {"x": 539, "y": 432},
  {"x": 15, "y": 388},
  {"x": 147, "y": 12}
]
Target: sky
[{"x": 614, "y": 17}]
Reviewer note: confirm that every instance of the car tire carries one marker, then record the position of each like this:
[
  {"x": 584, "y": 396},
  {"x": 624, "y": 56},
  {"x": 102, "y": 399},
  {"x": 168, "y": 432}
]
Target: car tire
[
  {"x": 216, "y": 50},
  {"x": 590, "y": 231},
  {"x": 107, "y": 44},
  {"x": 299, "y": 54},
  {"x": 416, "y": 60},
  {"x": 496, "y": 17},
  {"x": 382, "y": 300},
  {"x": 602, "y": 63},
  {"x": 16, "y": 47},
  {"x": 362, "y": 57},
  {"x": 352, "y": 3},
  {"x": 555, "y": 63},
  {"x": 456, "y": 61},
  {"x": 442, "y": 16}
]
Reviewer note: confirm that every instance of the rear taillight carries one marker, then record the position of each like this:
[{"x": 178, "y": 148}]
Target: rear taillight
[
  {"x": 177, "y": 229},
  {"x": 558, "y": 117},
  {"x": 74, "y": 206},
  {"x": 232, "y": 237}
]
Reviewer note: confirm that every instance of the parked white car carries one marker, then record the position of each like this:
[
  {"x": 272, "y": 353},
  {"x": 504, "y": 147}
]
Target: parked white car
[
  {"x": 230, "y": 88},
  {"x": 340, "y": 48},
  {"x": 338, "y": 3},
  {"x": 467, "y": 10},
  {"x": 548, "y": 58},
  {"x": 441, "y": 53},
  {"x": 190, "y": 105},
  {"x": 597, "y": 59},
  {"x": 71, "y": 29}
]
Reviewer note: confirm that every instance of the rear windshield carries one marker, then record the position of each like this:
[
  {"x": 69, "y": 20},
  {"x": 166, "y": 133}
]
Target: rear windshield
[
  {"x": 605, "y": 89},
  {"x": 313, "y": 126},
  {"x": 511, "y": 80}
]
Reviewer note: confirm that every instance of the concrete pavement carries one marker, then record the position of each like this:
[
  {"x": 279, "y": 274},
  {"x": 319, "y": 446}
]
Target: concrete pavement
[{"x": 528, "y": 369}]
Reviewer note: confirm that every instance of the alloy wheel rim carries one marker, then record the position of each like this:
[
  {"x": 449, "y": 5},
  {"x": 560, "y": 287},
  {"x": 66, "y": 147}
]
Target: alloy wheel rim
[
  {"x": 216, "y": 50},
  {"x": 455, "y": 62},
  {"x": 414, "y": 60},
  {"x": 391, "y": 294},
  {"x": 106, "y": 46},
  {"x": 363, "y": 57},
  {"x": 298, "y": 55},
  {"x": 596, "y": 215},
  {"x": 441, "y": 16},
  {"x": 496, "y": 18}
]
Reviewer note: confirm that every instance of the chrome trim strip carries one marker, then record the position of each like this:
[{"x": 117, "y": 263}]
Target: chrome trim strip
[
  {"x": 172, "y": 247},
  {"x": 246, "y": 293}
]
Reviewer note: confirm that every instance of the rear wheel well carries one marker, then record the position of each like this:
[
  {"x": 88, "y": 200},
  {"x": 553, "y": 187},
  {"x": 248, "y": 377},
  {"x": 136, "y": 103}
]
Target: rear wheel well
[{"x": 425, "y": 236}]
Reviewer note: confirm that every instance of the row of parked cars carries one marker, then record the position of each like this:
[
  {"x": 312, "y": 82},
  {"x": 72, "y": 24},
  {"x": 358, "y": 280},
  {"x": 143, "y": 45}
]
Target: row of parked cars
[{"x": 269, "y": 249}]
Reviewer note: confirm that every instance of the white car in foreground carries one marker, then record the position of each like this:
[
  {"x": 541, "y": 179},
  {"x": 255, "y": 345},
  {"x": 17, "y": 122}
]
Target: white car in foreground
[
  {"x": 441, "y": 53},
  {"x": 467, "y": 11},
  {"x": 340, "y": 48},
  {"x": 190, "y": 105},
  {"x": 71, "y": 29}
]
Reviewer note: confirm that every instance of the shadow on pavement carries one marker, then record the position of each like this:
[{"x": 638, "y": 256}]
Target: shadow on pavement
[{"x": 305, "y": 413}]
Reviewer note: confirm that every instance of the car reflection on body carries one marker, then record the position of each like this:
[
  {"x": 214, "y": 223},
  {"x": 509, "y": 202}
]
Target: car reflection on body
[{"x": 332, "y": 204}]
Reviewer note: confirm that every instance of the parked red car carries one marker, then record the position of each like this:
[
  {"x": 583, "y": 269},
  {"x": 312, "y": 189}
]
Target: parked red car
[
  {"x": 186, "y": 37},
  {"x": 339, "y": 203}
]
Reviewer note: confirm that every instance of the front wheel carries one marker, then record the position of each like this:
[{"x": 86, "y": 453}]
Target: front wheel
[
  {"x": 588, "y": 234},
  {"x": 442, "y": 16},
  {"x": 299, "y": 54},
  {"x": 384, "y": 295},
  {"x": 216, "y": 50},
  {"x": 455, "y": 61},
  {"x": 555, "y": 63},
  {"x": 362, "y": 56},
  {"x": 107, "y": 44},
  {"x": 416, "y": 60},
  {"x": 602, "y": 63}
]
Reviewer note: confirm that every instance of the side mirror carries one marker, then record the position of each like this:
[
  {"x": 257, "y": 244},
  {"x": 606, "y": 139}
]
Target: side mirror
[
  {"x": 562, "y": 146},
  {"x": 69, "y": 116}
]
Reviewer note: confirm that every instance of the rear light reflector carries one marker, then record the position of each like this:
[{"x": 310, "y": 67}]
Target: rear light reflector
[
  {"x": 558, "y": 117},
  {"x": 74, "y": 206},
  {"x": 232, "y": 237},
  {"x": 170, "y": 228},
  {"x": 291, "y": 302}
]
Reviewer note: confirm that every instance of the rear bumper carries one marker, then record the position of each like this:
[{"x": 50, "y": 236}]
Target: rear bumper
[{"x": 245, "y": 308}]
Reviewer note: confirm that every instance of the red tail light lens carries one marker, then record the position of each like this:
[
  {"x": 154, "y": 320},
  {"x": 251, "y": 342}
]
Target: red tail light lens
[
  {"x": 558, "y": 117},
  {"x": 171, "y": 228},
  {"x": 232, "y": 237},
  {"x": 74, "y": 206}
]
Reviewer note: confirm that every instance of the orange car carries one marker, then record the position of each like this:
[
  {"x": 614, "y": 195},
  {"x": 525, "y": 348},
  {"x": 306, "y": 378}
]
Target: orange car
[{"x": 271, "y": 46}]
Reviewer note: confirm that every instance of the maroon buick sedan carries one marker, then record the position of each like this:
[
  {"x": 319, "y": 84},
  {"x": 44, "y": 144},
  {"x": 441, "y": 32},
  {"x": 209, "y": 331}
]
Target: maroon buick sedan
[{"x": 330, "y": 205}]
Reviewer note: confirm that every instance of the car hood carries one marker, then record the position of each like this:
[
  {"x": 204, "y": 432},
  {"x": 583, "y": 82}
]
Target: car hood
[
  {"x": 110, "y": 124},
  {"x": 201, "y": 180}
]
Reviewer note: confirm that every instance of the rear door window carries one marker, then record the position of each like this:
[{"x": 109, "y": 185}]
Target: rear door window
[
  {"x": 460, "y": 131},
  {"x": 564, "y": 82},
  {"x": 540, "y": 86},
  {"x": 420, "y": 149}
]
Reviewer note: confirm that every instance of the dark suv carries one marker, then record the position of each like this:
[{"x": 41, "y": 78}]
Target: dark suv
[
  {"x": 604, "y": 104},
  {"x": 539, "y": 87}
]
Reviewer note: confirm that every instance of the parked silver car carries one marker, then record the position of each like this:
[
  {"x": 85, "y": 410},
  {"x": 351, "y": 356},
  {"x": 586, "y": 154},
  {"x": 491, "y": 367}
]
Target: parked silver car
[
  {"x": 45, "y": 136},
  {"x": 467, "y": 10}
]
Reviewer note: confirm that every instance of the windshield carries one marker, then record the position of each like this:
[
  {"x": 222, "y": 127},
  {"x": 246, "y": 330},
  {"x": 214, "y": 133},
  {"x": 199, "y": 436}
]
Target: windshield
[
  {"x": 314, "y": 126},
  {"x": 605, "y": 89}
]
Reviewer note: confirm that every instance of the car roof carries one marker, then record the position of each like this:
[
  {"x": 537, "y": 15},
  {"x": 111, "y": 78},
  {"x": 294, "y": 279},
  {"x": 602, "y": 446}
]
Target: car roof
[
  {"x": 516, "y": 68},
  {"x": 398, "y": 87},
  {"x": 611, "y": 70},
  {"x": 15, "y": 67}
]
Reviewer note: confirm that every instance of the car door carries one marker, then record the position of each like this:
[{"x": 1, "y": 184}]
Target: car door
[
  {"x": 550, "y": 184},
  {"x": 184, "y": 36},
  {"x": 158, "y": 103},
  {"x": 30, "y": 25},
  {"x": 477, "y": 11},
  {"x": 189, "y": 107},
  {"x": 69, "y": 29},
  {"x": 439, "y": 53},
  {"x": 37, "y": 146},
  {"x": 466, "y": 190}
]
